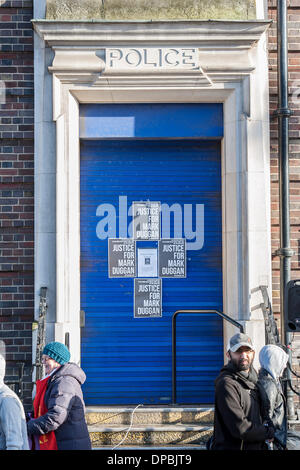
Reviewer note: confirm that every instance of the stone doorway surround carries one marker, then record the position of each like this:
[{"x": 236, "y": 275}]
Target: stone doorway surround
[{"x": 71, "y": 67}]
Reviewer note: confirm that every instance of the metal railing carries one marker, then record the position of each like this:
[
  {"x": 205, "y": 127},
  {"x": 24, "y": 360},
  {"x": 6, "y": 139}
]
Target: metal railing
[
  {"x": 18, "y": 384},
  {"x": 40, "y": 326},
  {"x": 197, "y": 312},
  {"x": 272, "y": 334},
  {"x": 271, "y": 330}
]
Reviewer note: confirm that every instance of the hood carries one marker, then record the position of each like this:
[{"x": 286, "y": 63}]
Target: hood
[
  {"x": 273, "y": 359},
  {"x": 72, "y": 370},
  {"x": 2, "y": 362},
  {"x": 2, "y": 369}
]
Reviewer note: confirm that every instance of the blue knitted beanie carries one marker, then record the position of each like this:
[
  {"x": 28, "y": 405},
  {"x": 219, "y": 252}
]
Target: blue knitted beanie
[{"x": 57, "y": 351}]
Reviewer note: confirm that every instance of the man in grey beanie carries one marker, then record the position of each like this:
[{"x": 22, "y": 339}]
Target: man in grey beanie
[
  {"x": 13, "y": 431},
  {"x": 59, "y": 411}
]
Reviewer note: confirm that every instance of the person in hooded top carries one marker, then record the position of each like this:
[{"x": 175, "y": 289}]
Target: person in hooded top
[
  {"x": 273, "y": 361},
  {"x": 59, "y": 410},
  {"x": 13, "y": 432}
]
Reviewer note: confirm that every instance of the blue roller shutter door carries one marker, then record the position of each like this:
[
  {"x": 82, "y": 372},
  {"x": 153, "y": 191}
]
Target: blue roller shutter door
[{"x": 128, "y": 360}]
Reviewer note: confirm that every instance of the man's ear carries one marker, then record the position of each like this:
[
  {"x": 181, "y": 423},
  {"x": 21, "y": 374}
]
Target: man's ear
[{"x": 228, "y": 355}]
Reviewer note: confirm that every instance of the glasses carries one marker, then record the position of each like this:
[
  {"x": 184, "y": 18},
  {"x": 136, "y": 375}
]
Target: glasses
[{"x": 46, "y": 359}]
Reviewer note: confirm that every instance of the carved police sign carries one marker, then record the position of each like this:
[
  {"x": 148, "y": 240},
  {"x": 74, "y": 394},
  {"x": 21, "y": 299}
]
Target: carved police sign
[{"x": 151, "y": 58}]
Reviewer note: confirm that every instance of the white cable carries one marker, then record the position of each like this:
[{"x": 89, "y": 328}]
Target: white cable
[{"x": 128, "y": 428}]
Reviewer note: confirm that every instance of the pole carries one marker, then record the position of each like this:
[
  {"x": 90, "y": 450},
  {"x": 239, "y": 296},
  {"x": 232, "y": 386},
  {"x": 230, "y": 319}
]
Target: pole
[
  {"x": 283, "y": 114},
  {"x": 223, "y": 315}
]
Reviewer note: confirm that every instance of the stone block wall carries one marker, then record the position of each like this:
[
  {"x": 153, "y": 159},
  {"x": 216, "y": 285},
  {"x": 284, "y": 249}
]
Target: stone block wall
[
  {"x": 16, "y": 186},
  {"x": 150, "y": 9}
]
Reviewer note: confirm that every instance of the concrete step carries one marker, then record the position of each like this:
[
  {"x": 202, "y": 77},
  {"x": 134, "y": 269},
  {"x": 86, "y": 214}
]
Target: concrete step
[
  {"x": 154, "y": 435},
  {"x": 149, "y": 415},
  {"x": 149, "y": 427}
]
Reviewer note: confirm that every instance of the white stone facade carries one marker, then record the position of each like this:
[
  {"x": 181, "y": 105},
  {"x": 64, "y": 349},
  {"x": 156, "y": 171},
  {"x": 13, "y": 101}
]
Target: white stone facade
[{"x": 71, "y": 68}]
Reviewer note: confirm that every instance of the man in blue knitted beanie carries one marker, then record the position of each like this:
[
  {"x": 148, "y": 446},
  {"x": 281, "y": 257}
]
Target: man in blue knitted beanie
[{"x": 59, "y": 409}]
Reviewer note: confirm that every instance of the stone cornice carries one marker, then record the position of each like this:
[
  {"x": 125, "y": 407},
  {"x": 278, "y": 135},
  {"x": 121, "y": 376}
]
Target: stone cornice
[{"x": 209, "y": 33}]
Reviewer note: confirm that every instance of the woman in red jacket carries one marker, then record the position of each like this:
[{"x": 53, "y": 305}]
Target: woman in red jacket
[{"x": 59, "y": 410}]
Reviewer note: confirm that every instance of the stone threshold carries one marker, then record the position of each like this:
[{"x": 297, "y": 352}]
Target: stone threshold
[{"x": 147, "y": 428}]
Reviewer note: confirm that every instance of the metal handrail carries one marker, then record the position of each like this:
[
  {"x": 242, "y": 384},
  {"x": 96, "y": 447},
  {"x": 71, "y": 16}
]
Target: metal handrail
[
  {"x": 40, "y": 326},
  {"x": 223, "y": 315},
  {"x": 19, "y": 381},
  {"x": 271, "y": 330},
  {"x": 272, "y": 333}
]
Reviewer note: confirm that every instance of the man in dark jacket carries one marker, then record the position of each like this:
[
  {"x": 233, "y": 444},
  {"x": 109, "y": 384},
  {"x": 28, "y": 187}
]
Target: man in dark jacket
[
  {"x": 59, "y": 406},
  {"x": 237, "y": 423}
]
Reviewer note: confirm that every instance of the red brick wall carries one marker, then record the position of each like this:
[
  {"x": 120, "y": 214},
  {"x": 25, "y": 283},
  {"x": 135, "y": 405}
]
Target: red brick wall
[
  {"x": 294, "y": 134},
  {"x": 294, "y": 154},
  {"x": 16, "y": 184}
]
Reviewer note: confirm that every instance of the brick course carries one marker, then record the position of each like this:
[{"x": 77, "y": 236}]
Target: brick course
[{"x": 16, "y": 187}]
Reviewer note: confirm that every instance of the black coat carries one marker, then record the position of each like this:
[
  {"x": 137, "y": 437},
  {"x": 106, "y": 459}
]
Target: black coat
[
  {"x": 66, "y": 410},
  {"x": 237, "y": 422}
]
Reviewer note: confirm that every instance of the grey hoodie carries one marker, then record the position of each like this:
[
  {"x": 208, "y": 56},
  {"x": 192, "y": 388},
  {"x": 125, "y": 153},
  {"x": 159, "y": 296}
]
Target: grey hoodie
[
  {"x": 13, "y": 429},
  {"x": 273, "y": 361}
]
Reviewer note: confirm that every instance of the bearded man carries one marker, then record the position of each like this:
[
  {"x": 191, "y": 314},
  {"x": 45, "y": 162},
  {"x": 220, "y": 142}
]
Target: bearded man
[{"x": 237, "y": 421}]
